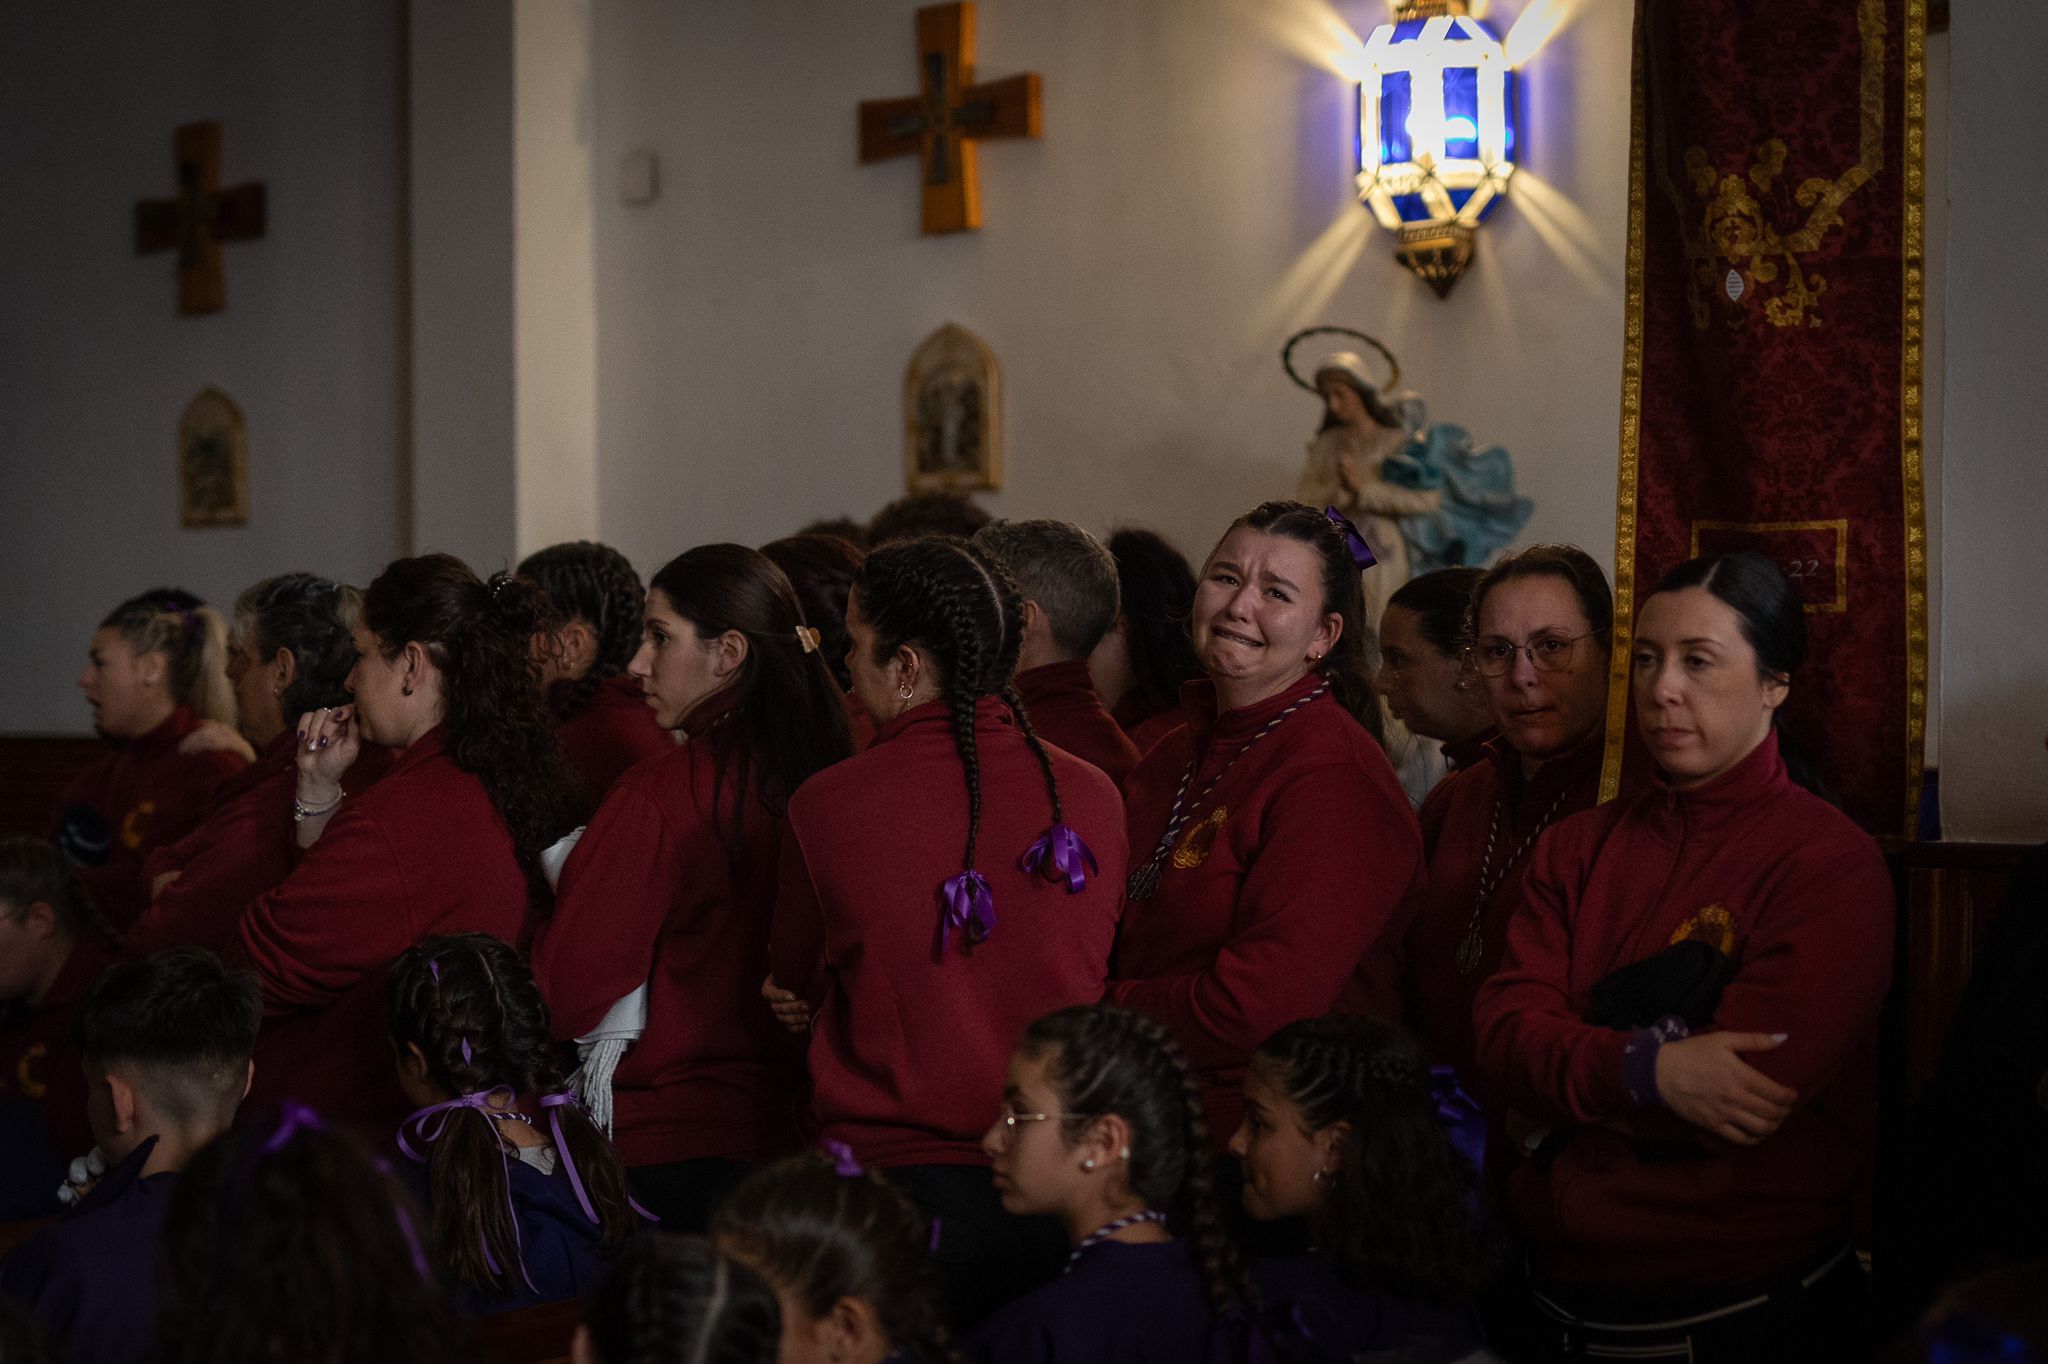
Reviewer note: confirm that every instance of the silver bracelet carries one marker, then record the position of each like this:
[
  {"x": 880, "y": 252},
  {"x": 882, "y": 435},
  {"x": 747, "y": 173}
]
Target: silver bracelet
[{"x": 301, "y": 812}]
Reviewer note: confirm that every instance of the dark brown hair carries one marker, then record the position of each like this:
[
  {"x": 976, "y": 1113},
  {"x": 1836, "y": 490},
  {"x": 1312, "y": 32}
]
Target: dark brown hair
[
  {"x": 673, "y": 1300},
  {"x": 1156, "y": 597},
  {"x": 597, "y": 585},
  {"x": 925, "y": 514},
  {"x": 1102, "y": 1059},
  {"x": 187, "y": 1024},
  {"x": 1442, "y": 603},
  {"x": 480, "y": 635},
  {"x": 821, "y": 1236},
  {"x": 32, "y": 870},
  {"x": 469, "y": 1003},
  {"x": 1569, "y": 564},
  {"x": 308, "y": 617},
  {"x": 821, "y": 568}
]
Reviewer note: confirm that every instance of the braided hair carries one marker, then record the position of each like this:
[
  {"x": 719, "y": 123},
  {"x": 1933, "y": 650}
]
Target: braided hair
[
  {"x": 308, "y": 617},
  {"x": 1395, "y": 1214},
  {"x": 819, "y": 1236},
  {"x": 597, "y": 585},
  {"x": 470, "y": 1005},
  {"x": 673, "y": 1300},
  {"x": 1348, "y": 665},
  {"x": 193, "y": 639},
  {"x": 479, "y": 634},
  {"x": 944, "y": 596},
  {"x": 1104, "y": 1058}
]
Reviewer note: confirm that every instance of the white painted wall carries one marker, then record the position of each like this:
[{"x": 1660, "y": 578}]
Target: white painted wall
[
  {"x": 1994, "y": 493},
  {"x": 1188, "y": 208},
  {"x": 95, "y": 363}
]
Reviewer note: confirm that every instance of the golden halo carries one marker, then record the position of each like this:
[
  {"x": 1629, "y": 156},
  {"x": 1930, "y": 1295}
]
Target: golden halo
[{"x": 1287, "y": 355}]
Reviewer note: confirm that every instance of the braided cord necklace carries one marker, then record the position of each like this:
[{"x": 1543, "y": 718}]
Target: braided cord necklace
[
  {"x": 1145, "y": 880},
  {"x": 1109, "y": 1229},
  {"x": 1472, "y": 945}
]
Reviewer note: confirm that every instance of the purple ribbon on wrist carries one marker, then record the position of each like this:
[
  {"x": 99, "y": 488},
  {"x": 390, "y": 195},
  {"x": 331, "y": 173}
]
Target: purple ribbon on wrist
[
  {"x": 1060, "y": 854},
  {"x": 970, "y": 906}
]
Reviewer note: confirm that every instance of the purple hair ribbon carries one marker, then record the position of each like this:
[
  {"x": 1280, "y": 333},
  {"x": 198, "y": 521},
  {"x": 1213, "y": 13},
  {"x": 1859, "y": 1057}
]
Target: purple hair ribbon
[
  {"x": 1361, "y": 552},
  {"x": 467, "y": 1055},
  {"x": 843, "y": 1162},
  {"x": 1463, "y": 1121},
  {"x": 935, "y": 1236},
  {"x": 1060, "y": 854},
  {"x": 430, "y": 1122},
  {"x": 970, "y": 907},
  {"x": 293, "y": 1119},
  {"x": 405, "y": 1226},
  {"x": 552, "y": 1105},
  {"x": 434, "y": 970}
]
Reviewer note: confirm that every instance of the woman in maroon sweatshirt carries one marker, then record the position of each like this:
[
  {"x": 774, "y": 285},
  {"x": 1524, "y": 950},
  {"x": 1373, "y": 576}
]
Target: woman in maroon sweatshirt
[
  {"x": 939, "y": 891},
  {"x": 601, "y": 717},
  {"x": 156, "y": 671},
  {"x": 1540, "y": 623},
  {"x": 1275, "y": 858},
  {"x": 449, "y": 841},
  {"x": 673, "y": 884},
  {"x": 288, "y": 653},
  {"x": 1699, "y": 1125}
]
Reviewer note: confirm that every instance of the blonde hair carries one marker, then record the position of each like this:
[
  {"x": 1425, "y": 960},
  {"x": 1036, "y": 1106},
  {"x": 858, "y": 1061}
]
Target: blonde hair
[{"x": 192, "y": 637}]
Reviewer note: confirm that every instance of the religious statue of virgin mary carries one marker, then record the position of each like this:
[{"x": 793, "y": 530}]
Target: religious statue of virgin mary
[{"x": 1420, "y": 494}]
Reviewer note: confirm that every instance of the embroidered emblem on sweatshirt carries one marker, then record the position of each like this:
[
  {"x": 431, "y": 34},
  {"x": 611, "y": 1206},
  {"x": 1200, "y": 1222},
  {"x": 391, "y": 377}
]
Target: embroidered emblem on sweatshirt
[
  {"x": 1195, "y": 844},
  {"x": 135, "y": 828},
  {"x": 24, "y": 1074},
  {"x": 1713, "y": 925}
]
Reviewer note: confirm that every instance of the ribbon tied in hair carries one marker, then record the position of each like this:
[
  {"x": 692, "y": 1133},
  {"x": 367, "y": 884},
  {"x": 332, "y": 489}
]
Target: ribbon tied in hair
[
  {"x": 1059, "y": 854},
  {"x": 495, "y": 1104},
  {"x": 970, "y": 906},
  {"x": 293, "y": 1119},
  {"x": 1354, "y": 540},
  {"x": 843, "y": 1162}
]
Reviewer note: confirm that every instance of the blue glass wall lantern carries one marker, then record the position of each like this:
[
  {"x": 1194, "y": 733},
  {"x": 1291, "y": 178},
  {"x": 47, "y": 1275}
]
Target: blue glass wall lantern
[{"x": 1436, "y": 134}]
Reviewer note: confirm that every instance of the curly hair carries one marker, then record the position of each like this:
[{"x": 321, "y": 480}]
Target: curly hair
[
  {"x": 821, "y": 568},
  {"x": 497, "y": 729},
  {"x": 1348, "y": 665},
  {"x": 789, "y": 717},
  {"x": 1103, "y": 1058},
  {"x": 471, "y": 1006},
  {"x": 308, "y": 617},
  {"x": 193, "y": 639},
  {"x": 943, "y": 596},
  {"x": 925, "y": 514},
  {"x": 673, "y": 1300},
  {"x": 1157, "y": 592},
  {"x": 1396, "y": 1214},
  {"x": 284, "y": 1241},
  {"x": 597, "y": 585},
  {"x": 821, "y": 1236}
]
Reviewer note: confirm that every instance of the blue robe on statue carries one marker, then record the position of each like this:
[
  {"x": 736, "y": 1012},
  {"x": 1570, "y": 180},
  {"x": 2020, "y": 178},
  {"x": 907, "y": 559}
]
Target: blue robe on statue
[{"x": 1480, "y": 512}]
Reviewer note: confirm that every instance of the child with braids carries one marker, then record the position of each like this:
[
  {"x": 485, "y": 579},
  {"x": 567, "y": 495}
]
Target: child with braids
[
  {"x": 848, "y": 1258},
  {"x": 1342, "y": 1126},
  {"x": 1102, "y": 1127},
  {"x": 155, "y": 672},
  {"x": 925, "y": 924},
  {"x": 674, "y": 1300},
  {"x": 601, "y": 715},
  {"x": 526, "y": 1200}
]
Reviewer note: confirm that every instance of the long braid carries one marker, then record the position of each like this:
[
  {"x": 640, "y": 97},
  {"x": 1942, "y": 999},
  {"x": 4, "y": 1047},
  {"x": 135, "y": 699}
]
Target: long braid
[{"x": 1052, "y": 783}]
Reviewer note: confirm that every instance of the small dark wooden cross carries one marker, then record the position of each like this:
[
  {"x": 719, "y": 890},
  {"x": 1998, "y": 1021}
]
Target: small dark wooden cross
[
  {"x": 202, "y": 217},
  {"x": 950, "y": 114}
]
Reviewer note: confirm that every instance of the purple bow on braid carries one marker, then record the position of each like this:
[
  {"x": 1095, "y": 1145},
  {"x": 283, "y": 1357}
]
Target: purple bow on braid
[
  {"x": 1060, "y": 853},
  {"x": 1459, "y": 1115},
  {"x": 430, "y": 1122},
  {"x": 970, "y": 907},
  {"x": 843, "y": 1162},
  {"x": 1361, "y": 552}
]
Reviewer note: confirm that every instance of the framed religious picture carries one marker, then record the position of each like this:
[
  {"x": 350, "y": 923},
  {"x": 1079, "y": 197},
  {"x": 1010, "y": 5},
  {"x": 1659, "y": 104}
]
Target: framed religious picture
[
  {"x": 213, "y": 462},
  {"x": 952, "y": 414}
]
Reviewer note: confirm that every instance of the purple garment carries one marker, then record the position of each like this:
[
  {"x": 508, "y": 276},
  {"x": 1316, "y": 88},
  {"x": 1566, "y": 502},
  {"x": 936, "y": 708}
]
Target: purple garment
[
  {"x": 1317, "y": 1318},
  {"x": 1118, "y": 1304},
  {"x": 565, "y": 1257},
  {"x": 90, "y": 1279}
]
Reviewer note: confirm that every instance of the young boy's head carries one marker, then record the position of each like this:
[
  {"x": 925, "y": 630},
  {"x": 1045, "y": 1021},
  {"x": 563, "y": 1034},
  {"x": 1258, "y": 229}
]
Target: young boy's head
[
  {"x": 42, "y": 912},
  {"x": 167, "y": 1042}
]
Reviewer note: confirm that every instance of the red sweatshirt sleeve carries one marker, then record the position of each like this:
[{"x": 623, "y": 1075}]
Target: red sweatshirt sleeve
[
  {"x": 1532, "y": 1046},
  {"x": 342, "y": 913},
  {"x": 615, "y": 893},
  {"x": 796, "y": 941},
  {"x": 1328, "y": 882}
]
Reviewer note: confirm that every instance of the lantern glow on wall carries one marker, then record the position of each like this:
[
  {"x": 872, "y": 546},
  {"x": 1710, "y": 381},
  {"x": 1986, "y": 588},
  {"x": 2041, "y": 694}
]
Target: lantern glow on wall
[{"x": 1436, "y": 133}]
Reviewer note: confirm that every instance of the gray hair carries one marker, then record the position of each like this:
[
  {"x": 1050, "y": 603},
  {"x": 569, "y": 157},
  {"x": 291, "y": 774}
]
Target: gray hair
[{"x": 1065, "y": 570}]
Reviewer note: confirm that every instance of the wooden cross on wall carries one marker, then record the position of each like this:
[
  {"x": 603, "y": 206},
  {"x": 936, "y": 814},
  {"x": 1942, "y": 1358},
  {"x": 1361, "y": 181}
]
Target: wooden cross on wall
[
  {"x": 950, "y": 114},
  {"x": 202, "y": 217}
]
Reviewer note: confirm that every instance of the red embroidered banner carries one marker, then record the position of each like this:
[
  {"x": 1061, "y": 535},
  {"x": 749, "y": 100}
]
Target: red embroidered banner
[{"x": 1771, "y": 380}]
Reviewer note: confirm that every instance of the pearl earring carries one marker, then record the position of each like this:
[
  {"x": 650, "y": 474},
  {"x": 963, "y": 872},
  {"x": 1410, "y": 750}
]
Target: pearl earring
[{"x": 1088, "y": 1164}]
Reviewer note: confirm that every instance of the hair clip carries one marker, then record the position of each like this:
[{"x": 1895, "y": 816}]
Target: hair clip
[
  {"x": 843, "y": 1162},
  {"x": 1361, "y": 552},
  {"x": 807, "y": 637}
]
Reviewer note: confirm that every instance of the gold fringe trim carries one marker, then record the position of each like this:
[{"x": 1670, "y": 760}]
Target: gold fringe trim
[
  {"x": 1623, "y": 637},
  {"x": 1912, "y": 247}
]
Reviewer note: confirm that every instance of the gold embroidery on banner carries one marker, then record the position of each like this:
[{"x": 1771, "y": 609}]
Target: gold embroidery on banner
[
  {"x": 1631, "y": 434},
  {"x": 135, "y": 827},
  {"x": 1196, "y": 843},
  {"x": 1737, "y": 253},
  {"x": 1797, "y": 570},
  {"x": 25, "y": 1080},
  {"x": 1911, "y": 249},
  {"x": 1714, "y": 926}
]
